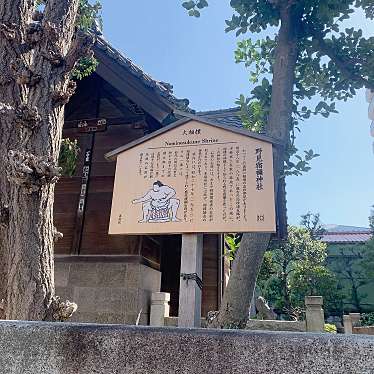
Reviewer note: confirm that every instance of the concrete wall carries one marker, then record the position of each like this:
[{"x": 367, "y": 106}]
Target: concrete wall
[
  {"x": 107, "y": 292},
  {"x": 41, "y": 348}
]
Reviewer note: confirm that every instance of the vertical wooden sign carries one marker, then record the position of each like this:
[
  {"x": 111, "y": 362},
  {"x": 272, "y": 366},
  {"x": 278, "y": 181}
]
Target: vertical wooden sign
[
  {"x": 194, "y": 177},
  {"x": 82, "y": 199}
]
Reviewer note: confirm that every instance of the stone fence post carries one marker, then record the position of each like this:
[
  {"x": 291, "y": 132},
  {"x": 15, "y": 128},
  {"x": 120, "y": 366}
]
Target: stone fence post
[
  {"x": 159, "y": 308},
  {"x": 315, "y": 319},
  {"x": 355, "y": 318},
  {"x": 347, "y": 322},
  {"x": 350, "y": 322}
]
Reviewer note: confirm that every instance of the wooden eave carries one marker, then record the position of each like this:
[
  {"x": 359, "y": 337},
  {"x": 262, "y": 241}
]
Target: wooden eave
[{"x": 131, "y": 86}]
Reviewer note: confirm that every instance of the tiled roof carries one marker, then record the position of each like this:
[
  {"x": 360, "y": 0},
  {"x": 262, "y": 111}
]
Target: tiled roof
[
  {"x": 346, "y": 234},
  {"x": 163, "y": 89},
  {"x": 345, "y": 229},
  {"x": 346, "y": 237},
  {"x": 229, "y": 117}
]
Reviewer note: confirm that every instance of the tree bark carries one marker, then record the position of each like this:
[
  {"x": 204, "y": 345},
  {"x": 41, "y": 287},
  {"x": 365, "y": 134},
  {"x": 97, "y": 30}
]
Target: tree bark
[
  {"x": 236, "y": 301},
  {"x": 34, "y": 89}
]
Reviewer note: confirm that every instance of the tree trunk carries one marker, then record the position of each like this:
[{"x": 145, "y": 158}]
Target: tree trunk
[
  {"x": 234, "y": 310},
  {"x": 35, "y": 62},
  {"x": 236, "y": 301}
]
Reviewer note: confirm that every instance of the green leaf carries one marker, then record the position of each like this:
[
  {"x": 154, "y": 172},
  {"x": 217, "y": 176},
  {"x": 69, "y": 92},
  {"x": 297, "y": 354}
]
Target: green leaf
[
  {"x": 202, "y": 4},
  {"x": 189, "y": 5}
]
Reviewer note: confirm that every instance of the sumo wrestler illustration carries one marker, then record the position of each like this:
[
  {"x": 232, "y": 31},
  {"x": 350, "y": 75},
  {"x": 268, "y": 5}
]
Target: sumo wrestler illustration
[{"x": 159, "y": 204}]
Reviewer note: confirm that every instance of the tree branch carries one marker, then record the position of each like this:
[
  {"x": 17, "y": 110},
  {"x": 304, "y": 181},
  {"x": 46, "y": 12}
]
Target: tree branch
[
  {"x": 81, "y": 47},
  {"x": 31, "y": 172},
  {"x": 16, "y": 12},
  {"x": 344, "y": 65},
  {"x": 61, "y": 15}
]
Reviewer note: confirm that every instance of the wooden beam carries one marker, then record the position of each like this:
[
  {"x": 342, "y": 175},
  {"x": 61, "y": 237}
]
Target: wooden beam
[
  {"x": 120, "y": 121},
  {"x": 130, "y": 86},
  {"x": 190, "y": 289}
]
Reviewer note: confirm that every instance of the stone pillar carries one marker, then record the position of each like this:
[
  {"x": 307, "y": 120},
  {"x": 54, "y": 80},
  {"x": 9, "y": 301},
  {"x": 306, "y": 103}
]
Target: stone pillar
[
  {"x": 355, "y": 318},
  {"x": 159, "y": 308},
  {"x": 347, "y": 321},
  {"x": 315, "y": 319}
]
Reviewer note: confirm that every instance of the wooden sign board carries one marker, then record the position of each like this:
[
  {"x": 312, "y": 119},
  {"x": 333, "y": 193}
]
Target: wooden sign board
[
  {"x": 92, "y": 125},
  {"x": 195, "y": 177}
]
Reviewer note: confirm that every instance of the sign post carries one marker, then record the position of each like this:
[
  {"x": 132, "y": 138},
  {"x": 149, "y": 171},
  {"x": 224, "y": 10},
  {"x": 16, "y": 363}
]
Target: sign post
[
  {"x": 190, "y": 288},
  {"x": 190, "y": 178}
]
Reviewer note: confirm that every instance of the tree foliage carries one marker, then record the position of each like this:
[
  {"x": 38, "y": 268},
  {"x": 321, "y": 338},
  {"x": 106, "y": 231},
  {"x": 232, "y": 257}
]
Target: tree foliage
[
  {"x": 367, "y": 319},
  {"x": 89, "y": 20},
  {"x": 348, "y": 264},
  {"x": 312, "y": 223},
  {"x": 304, "y": 51},
  {"x": 296, "y": 268},
  {"x": 67, "y": 161},
  {"x": 367, "y": 262},
  {"x": 333, "y": 62}
]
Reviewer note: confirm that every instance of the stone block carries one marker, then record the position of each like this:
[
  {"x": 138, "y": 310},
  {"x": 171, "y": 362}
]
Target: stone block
[
  {"x": 62, "y": 271},
  {"x": 84, "y": 317},
  {"x": 133, "y": 276},
  {"x": 268, "y": 325},
  {"x": 85, "y": 297},
  {"x": 144, "y": 298},
  {"x": 314, "y": 315},
  {"x": 115, "y": 318},
  {"x": 347, "y": 322},
  {"x": 160, "y": 298},
  {"x": 314, "y": 301},
  {"x": 112, "y": 274},
  {"x": 65, "y": 293},
  {"x": 150, "y": 279},
  {"x": 84, "y": 274},
  {"x": 160, "y": 308},
  {"x": 356, "y": 319},
  {"x": 131, "y": 319},
  {"x": 109, "y": 300},
  {"x": 130, "y": 301},
  {"x": 67, "y": 348}
]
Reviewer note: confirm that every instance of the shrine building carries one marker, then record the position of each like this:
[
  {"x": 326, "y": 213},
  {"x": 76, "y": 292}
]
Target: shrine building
[{"x": 112, "y": 277}]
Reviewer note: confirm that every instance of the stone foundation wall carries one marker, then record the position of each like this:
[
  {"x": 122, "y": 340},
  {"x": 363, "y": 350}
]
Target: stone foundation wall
[
  {"x": 107, "y": 292},
  {"x": 257, "y": 324},
  {"x": 364, "y": 330},
  {"x": 45, "y": 348}
]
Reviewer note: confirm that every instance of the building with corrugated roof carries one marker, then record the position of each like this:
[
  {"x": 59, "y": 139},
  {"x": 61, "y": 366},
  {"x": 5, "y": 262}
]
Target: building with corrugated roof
[{"x": 346, "y": 250}]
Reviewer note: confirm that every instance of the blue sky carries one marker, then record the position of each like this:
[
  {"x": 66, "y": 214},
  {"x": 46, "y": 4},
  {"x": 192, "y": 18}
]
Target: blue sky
[{"x": 197, "y": 57}]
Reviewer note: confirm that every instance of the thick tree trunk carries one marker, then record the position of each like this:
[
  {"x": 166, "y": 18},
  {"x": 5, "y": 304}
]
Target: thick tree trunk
[
  {"x": 236, "y": 301},
  {"x": 35, "y": 61},
  {"x": 11, "y": 13}
]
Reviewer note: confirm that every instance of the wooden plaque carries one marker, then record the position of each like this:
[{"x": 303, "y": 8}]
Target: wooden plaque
[
  {"x": 195, "y": 177},
  {"x": 92, "y": 125}
]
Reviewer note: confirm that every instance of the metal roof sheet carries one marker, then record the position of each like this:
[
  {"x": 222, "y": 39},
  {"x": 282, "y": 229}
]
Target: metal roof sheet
[{"x": 346, "y": 237}]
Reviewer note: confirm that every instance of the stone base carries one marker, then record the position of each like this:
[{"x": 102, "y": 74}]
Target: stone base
[
  {"x": 268, "y": 325},
  {"x": 65, "y": 348},
  {"x": 107, "y": 292}
]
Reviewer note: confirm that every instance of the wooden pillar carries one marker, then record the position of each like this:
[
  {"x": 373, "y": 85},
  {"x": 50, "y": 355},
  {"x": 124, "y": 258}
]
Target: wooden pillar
[{"x": 191, "y": 281}]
